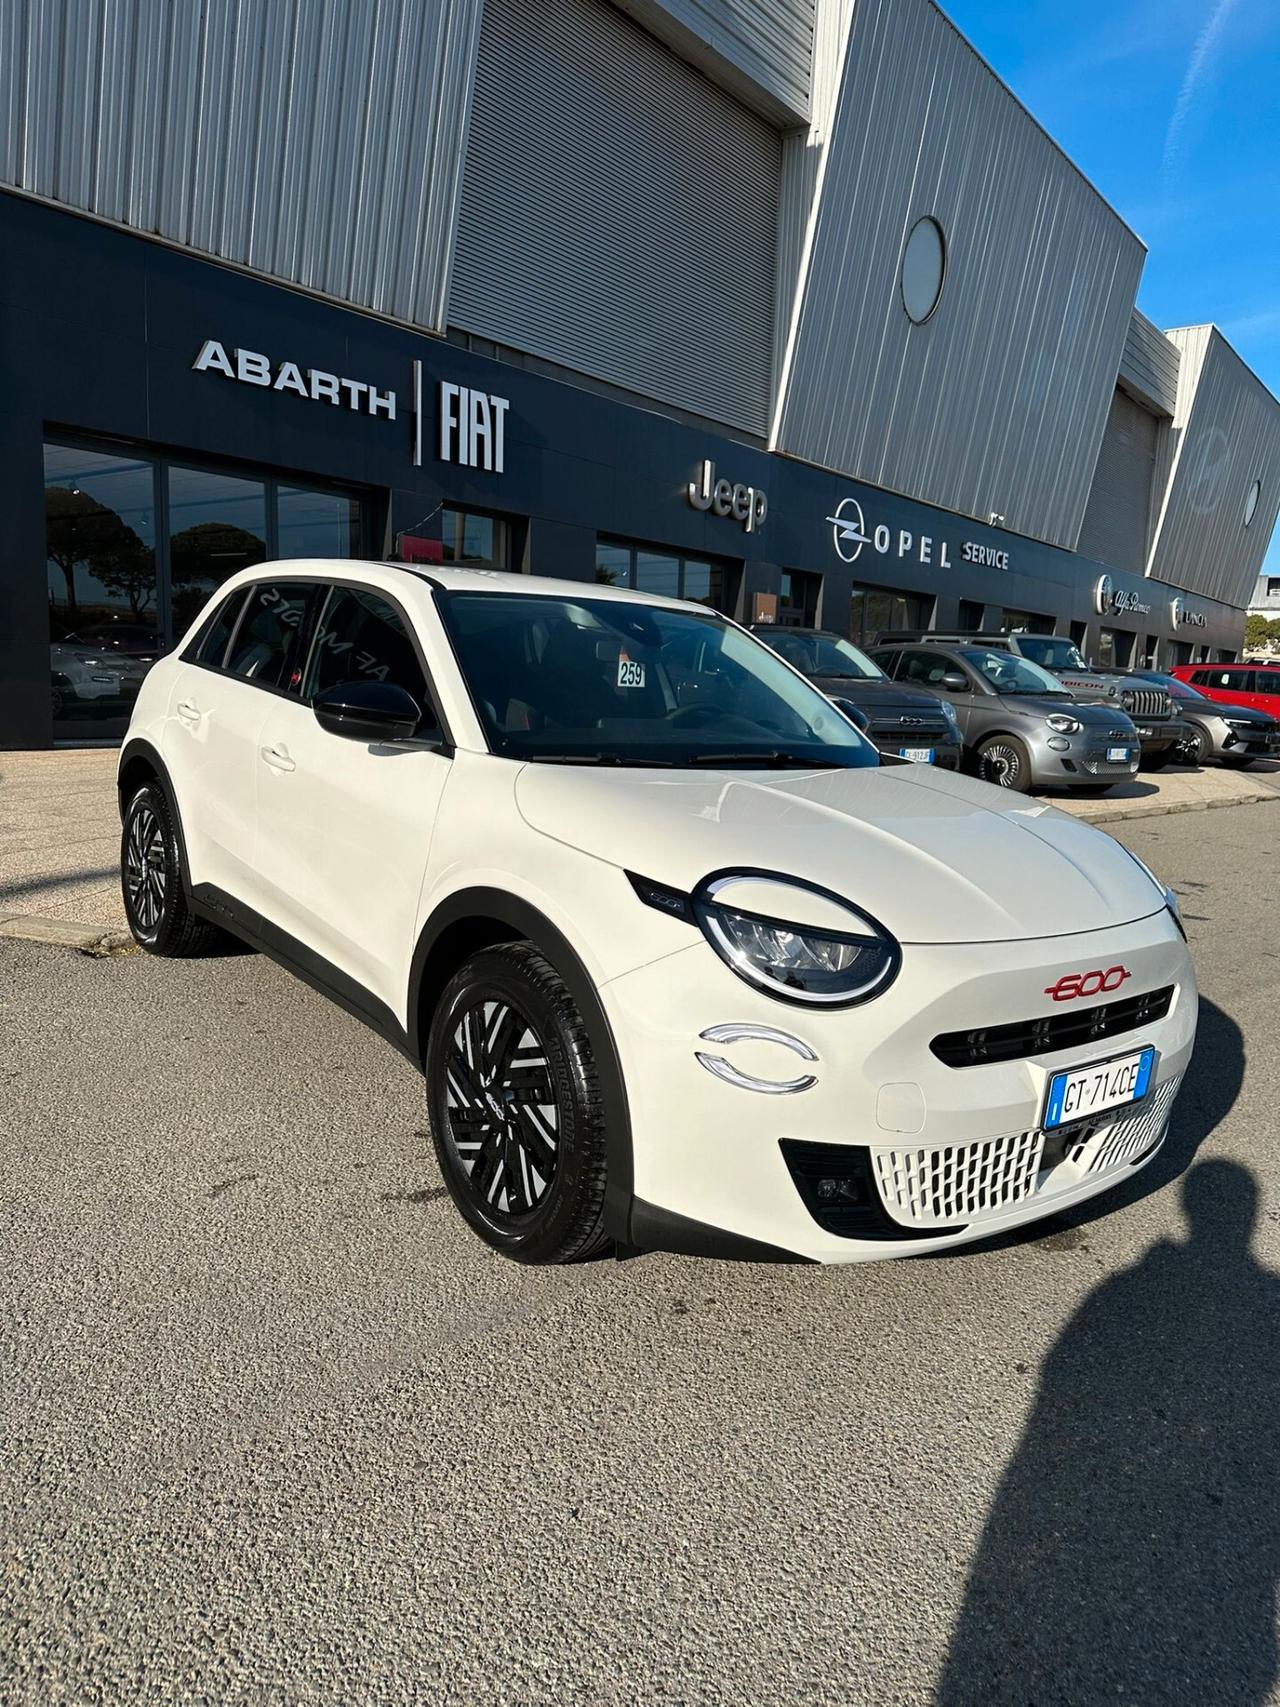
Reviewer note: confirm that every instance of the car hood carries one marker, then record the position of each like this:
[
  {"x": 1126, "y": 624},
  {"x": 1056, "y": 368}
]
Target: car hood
[
  {"x": 936, "y": 857},
  {"x": 1220, "y": 708},
  {"x": 1092, "y": 716},
  {"x": 878, "y": 696}
]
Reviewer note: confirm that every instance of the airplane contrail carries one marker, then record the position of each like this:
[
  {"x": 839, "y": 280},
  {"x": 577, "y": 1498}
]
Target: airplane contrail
[{"x": 1206, "y": 42}]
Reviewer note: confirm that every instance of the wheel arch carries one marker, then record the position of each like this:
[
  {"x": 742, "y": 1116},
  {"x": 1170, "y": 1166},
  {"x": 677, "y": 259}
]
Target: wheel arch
[
  {"x": 140, "y": 762},
  {"x": 476, "y": 918}
]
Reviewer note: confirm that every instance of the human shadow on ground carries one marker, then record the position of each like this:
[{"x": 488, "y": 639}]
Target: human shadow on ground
[{"x": 1132, "y": 1552}]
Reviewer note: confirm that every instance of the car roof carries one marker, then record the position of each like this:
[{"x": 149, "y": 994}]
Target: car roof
[{"x": 449, "y": 579}]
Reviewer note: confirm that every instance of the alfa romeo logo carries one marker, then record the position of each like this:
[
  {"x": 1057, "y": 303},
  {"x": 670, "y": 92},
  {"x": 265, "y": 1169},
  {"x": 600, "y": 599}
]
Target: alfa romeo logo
[
  {"x": 848, "y": 530},
  {"x": 1104, "y": 595}
]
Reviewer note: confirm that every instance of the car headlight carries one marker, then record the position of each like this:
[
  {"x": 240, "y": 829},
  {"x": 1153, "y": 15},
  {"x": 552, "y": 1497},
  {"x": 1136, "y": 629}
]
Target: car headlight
[
  {"x": 817, "y": 965},
  {"x": 949, "y": 714},
  {"x": 1239, "y": 723},
  {"x": 1063, "y": 724},
  {"x": 1166, "y": 894}
]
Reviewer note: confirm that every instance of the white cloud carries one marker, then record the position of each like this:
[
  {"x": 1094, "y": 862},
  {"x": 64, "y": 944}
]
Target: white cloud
[{"x": 1201, "y": 53}]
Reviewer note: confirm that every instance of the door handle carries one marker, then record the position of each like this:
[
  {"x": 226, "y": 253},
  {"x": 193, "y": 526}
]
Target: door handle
[
  {"x": 278, "y": 758},
  {"x": 188, "y": 712}
]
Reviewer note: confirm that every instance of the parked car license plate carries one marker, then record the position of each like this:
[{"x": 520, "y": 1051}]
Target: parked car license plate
[
  {"x": 1117, "y": 755},
  {"x": 1082, "y": 1092},
  {"x": 917, "y": 755}
]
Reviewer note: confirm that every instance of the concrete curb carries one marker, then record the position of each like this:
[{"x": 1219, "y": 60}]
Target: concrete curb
[
  {"x": 95, "y": 940},
  {"x": 1161, "y": 809}
]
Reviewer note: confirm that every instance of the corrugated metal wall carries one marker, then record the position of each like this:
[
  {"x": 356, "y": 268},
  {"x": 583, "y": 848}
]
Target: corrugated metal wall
[
  {"x": 315, "y": 141},
  {"x": 999, "y": 402},
  {"x": 618, "y": 211},
  {"x": 1117, "y": 521},
  {"x": 1225, "y": 435},
  {"x": 762, "y": 49},
  {"x": 1149, "y": 366}
]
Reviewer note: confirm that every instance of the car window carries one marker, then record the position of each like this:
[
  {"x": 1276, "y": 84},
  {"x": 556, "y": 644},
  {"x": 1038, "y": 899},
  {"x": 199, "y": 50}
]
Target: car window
[
  {"x": 1231, "y": 681},
  {"x": 211, "y": 646},
  {"x": 607, "y": 681},
  {"x": 886, "y": 659},
  {"x": 267, "y": 645},
  {"x": 1267, "y": 681},
  {"x": 1008, "y": 674},
  {"x": 925, "y": 668},
  {"x": 361, "y": 636},
  {"x": 1051, "y": 652}
]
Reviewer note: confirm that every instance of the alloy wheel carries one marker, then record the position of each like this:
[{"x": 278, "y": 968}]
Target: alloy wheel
[
  {"x": 145, "y": 873},
  {"x": 503, "y": 1116},
  {"x": 1002, "y": 765}
]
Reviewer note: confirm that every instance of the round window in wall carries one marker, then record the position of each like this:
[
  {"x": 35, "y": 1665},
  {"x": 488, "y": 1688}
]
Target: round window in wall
[
  {"x": 924, "y": 267},
  {"x": 1251, "y": 502}
]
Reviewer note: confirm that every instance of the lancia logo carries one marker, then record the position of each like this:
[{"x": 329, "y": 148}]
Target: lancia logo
[{"x": 849, "y": 530}]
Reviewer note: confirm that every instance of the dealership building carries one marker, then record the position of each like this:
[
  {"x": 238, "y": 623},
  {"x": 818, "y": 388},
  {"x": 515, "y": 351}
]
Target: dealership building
[{"x": 787, "y": 306}]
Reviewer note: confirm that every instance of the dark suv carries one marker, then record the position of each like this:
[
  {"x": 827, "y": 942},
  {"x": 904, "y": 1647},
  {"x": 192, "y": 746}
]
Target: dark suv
[{"x": 903, "y": 722}]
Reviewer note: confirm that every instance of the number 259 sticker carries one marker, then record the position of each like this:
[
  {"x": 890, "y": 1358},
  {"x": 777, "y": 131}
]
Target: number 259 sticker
[{"x": 630, "y": 672}]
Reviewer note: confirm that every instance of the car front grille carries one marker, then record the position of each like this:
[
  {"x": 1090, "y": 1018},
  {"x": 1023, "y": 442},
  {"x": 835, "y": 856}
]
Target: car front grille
[
  {"x": 929, "y": 1189},
  {"x": 933, "y": 1187},
  {"x": 1049, "y": 1032},
  {"x": 909, "y": 731},
  {"x": 1147, "y": 702},
  {"x": 1098, "y": 764}
]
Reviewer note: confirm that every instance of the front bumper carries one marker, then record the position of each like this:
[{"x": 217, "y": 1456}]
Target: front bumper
[{"x": 954, "y": 1154}]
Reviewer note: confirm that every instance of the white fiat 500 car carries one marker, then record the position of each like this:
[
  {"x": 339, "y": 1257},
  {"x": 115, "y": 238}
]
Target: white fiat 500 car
[{"x": 684, "y": 966}]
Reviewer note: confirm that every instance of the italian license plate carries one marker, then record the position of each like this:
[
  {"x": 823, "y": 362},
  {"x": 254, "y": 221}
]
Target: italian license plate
[
  {"x": 1083, "y": 1092},
  {"x": 1117, "y": 755},
  {"x": 917, "y": 755}
]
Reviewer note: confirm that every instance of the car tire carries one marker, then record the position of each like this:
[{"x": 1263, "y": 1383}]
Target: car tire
[
  {"x": 1193, "y": 750},
  {"x": 1004, "y": 761},
  {"x": 515, "y": 1109},
  {"x": 153, "y": 882}
]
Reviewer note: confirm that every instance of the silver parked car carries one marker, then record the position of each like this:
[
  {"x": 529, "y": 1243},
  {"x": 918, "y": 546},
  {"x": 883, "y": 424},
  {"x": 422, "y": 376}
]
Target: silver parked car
[
  {"x": 1212, "y": 729},
  {"x": 1021, "y": 728}
]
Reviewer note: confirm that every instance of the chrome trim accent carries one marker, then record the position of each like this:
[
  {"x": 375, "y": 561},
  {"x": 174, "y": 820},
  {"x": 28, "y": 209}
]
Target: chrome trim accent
[
  {"x": 740, "y": 1033},
  {"x": 722, "y": 1069}
]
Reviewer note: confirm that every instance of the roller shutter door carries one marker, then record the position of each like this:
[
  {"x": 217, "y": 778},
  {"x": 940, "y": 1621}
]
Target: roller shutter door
[
  {"x": 618, "y": 211},
  {"x": 1119, "y": 512}
]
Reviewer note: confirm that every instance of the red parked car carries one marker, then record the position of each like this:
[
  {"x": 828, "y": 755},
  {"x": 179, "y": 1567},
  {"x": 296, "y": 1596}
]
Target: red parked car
[{"x": 1257, "y": 685}]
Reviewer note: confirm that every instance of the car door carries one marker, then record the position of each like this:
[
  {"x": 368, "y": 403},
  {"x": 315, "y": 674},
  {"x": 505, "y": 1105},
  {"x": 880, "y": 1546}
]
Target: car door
[
  {"x": 345, "y": 826},
  {"x": 1229, "y": 683},
  {"x": 222, "y": 694},
  {"x": 1266, "y": 692},
  {"x": 924, "y": 667}
]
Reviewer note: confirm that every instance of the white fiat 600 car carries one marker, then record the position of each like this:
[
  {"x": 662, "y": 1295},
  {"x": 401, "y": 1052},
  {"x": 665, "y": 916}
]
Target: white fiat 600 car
[{"x": 684, "y": 966}]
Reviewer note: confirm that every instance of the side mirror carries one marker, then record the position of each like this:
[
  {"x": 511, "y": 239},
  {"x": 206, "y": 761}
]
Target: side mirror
[
  {"x": 368, "y": 711},
  {"x": 954, "y": 681},
  {"x": 854, "y": 713}
]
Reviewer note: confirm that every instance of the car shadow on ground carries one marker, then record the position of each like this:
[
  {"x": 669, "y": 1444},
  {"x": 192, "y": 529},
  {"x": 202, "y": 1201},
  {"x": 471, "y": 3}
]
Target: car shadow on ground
[{"x": 1132, "y": 1551}]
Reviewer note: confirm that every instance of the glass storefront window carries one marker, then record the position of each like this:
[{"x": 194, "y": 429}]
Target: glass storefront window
[
  {"x": 879, "y": 610},
  {"x": 798, "y": 596},
  {"x": 662, "y": 573},
  {"x": 136, "y": 544},
  {"x": 477, "y": 542},
  {"x": 657, "y": 574},
  {"x": 217, "y": 524},
  {"x": 1026, "y": 620},
  {"x": 104, "y": 620},
  {"x": 316, "y": 524}
]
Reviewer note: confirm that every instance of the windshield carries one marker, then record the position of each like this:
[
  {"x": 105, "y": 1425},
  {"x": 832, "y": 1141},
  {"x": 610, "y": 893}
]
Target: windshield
[
  {"x": 1051, "y": 652},
  {"x": 611, "y": 681},
  {"x": 1175, "y": 688},
  {"x": 1009, "y": 674},
  {"x": 824, "y": 655}
]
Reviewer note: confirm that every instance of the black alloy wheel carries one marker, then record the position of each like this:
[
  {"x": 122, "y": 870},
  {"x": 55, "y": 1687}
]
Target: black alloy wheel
[
  {"x": 152, "y": 882},
  {"x": 1004, "y": 761},
  {"x": 515, "y": 1108},
  {"x": 1193, "y": 748}
]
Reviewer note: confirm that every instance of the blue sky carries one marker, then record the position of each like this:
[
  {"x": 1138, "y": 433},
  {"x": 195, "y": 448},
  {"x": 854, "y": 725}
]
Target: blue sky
[{"x": 1172, "y": 108}]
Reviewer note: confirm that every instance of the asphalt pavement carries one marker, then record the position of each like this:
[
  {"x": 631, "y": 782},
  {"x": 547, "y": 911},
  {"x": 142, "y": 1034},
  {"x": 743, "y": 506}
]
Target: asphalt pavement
[{"x": 277, "y": 1428}]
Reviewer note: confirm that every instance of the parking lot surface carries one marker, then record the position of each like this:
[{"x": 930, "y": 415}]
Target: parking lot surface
[{"x": 279, "y": 1429}]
